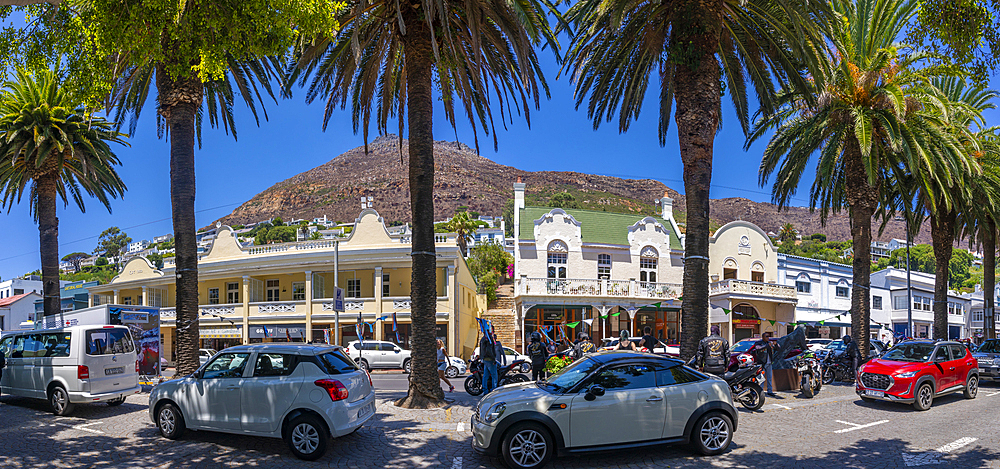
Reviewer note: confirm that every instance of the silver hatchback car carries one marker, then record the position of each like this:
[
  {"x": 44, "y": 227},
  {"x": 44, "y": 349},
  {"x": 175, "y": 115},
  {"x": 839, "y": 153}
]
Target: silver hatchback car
[
  {"x": 607, "y": 400},
  {"x": 304, "y": 394}
]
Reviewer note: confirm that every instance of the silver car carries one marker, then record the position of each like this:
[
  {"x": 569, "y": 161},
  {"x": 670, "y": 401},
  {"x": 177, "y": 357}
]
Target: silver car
[
  {"x": 607, "y": 400},
  {"x": 302, "y": 393}
]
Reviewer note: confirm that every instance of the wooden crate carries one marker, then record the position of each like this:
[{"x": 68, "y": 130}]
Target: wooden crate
[{"x": 786, "y": 380}]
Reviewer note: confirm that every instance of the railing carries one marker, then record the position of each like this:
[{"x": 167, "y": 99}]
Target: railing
[
  {"x": 206, "y": 312},
  {"x": 449, "y": 238},
  {"x": 592, "y": 287},
  {"x": 278, "y": 308},
  {"x": 300, "y": 246},
  {"x": 752, "y": 288}
]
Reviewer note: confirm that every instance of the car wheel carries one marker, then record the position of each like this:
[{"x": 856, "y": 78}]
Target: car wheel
[
  {"x": 924, "y": 397},
  {"x": 170, "y": 422},
  {"x": 451, "y": 372},
  {"x": 406, "y": 365},
  {"x": 364, "y": 364},
  {"x": 527, "y": 445},
  {"x": 473, "y": 385},
  {"x": 754, "y": 399},
  {"x": 116, "y": 402},
  {"x": 713, "y": 433},
  {"x": 306, "y": 437},
  {"x": 59, "y": 401},
  {"x": 525, "y": 368},
  {"x": 972, "y": 387}
]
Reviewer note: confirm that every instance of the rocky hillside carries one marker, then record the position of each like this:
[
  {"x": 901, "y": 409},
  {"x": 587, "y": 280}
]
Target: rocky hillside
[{"x": 464, "y": 178}]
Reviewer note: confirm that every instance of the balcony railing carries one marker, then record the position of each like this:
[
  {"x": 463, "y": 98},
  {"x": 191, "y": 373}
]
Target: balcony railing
[
  {"x": 747, "y": 287},
  {"x": 600, "y": 288}
]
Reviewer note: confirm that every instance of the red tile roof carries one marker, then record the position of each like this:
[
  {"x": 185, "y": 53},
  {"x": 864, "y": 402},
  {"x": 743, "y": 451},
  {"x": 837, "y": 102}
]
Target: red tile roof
[{"x": 14, "y": 299}]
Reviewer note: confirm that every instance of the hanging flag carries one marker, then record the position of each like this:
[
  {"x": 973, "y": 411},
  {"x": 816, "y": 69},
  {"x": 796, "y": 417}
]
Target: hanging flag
[
  {"x": 588, "y": 321},
  {"x": 604, "y": 317},
  {"x": 383, "y": 318},
  {"x": 670, "y": 302},
  {"x": 288, "y": 335},
  {"x": 771, "y": 321},
  {"x": 727, "y": 311},
  {"x": 821, "y": 322},
  {"x": 838, "y": 316},
  {"x": 266, "y": 334},
  {"x": 616, "y": 314},
  {"x": 657, "y": 304},
  {"x": 326, "y": 335},
  {"x": 574, "y": 324},
  {"x": 395, "y": 328}
]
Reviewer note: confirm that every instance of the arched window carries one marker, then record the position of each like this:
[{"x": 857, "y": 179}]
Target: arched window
[
  {"x": 729, "y": 269},
  {"x": 604, "y": 266},
  {"x": 557, "y": 256},
  {"x": 757, "y": 272},
  {"x": 803, "y": 284},
  {"x": 647, "y": 264}
]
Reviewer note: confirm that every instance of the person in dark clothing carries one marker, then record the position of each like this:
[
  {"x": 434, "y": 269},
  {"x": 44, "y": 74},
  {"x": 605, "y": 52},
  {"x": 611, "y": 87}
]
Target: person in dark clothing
[
  {"x": 538, "y": 354},
  {"x": 584, "y": 347},
  {"x": 852, "y": 354},
  {"x": 648, "y": 340},
  {"x": 712, "y": 355},
  {"x": 498, "y": 347},
  {"x": 624, "y": 343},
  {"x": 3, "y": 364},
  {"x": 488, "y": 354},
  {"x": 763, "y": 352}
]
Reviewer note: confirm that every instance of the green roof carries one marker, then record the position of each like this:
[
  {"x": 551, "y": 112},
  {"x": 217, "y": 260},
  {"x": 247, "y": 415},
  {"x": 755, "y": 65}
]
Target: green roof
[{"x": 595, "y": 227}]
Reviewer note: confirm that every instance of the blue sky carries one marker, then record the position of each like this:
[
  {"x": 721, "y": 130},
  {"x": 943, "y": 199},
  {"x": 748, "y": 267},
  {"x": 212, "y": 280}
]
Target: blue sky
[{"x": 292, "y": 141}]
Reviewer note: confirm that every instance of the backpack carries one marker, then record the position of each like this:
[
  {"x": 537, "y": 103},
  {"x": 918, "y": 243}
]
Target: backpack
[
  {"x": 486, "y": 350},
  {"x": 584, "y": 347}
]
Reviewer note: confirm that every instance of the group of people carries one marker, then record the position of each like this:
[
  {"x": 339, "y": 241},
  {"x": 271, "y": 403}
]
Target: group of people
[{"x": 712, "y": 355}]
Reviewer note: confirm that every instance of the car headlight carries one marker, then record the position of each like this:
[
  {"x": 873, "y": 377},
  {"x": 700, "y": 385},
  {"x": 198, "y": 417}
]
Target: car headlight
[
  {"x": 493, "y": 413},
  {"x": 907, "y": 374}
]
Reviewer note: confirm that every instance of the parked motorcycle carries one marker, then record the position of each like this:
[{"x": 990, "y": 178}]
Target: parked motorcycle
[
  {"x": 745, "y": 385},
  {"x": 811, "y": 372},
  {"x": 505, "y": 375},
  {"x": 835, "y": 369}
]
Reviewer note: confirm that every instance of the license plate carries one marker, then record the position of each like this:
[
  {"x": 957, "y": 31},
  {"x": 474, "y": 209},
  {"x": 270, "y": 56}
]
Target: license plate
[
  {"x": 983, "y": 370},
  {"x": 366, "y": 410},
  {"x": 114, "y": 371},
  {"x": 869, "y": 392}
]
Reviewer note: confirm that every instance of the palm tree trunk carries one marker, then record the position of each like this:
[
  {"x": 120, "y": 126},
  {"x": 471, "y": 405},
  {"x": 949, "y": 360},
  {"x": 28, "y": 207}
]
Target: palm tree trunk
[
  {"x": 48, "y": 241},
  {"x": 425, "y": 389},
  {"x": 989, "y": 278},
  {"x": 698, "y": 98},
  {"x": 943, "y": 236},
  {"x": 180, "y": 100},
  {"x": 861, "y": 198}
]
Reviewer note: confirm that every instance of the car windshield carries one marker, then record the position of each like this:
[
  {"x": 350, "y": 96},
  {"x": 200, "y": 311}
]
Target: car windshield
[
  {"x": 571, "y": 375},
  {"x": 836, "y": 345},
  {"x": 742, "y": 346},
  {"x": 990, "y": 346},
  {"x": 910, "y": 353}
]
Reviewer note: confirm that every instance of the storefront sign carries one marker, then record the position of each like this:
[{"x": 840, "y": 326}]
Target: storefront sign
[
  {"x": 746, "y": 323},
  {"x": 553, "y": 315},
  {"x": 277, "y": 332},
  {"x": 221, "y": 332}
]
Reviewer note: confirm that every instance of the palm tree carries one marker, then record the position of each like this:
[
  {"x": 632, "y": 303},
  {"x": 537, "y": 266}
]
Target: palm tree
[
  {"x": 694, "y": 48},
  {"x": 979, "y": 220},
  {"x": 387, "y": 55},
  {"x": 464, "y": 226},
  {"x": 787, "y": 233},
  {"x": 864, "y": 120},
  {"x": 51, "y": 145}
]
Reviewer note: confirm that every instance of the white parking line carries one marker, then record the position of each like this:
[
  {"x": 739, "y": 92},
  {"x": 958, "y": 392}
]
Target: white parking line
[
  {"x": 82, "y": 427},
  {"x": 993, "y": 394},
  {"x": 782, "y": 406},
  {"x": 933, "y": 457},
  {"x": 461, "y": 427},
  {"x": 855, "y": 426},
  {"x": 457, "y": 463}
]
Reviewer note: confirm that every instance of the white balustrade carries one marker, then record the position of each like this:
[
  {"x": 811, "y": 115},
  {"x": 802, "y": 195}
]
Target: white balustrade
[
  {"x": 747, "y": 287},
  {"x": 401, "y": 304},
  {"x": 598, "y": 288},
  {"x": 276, "y": 308}
]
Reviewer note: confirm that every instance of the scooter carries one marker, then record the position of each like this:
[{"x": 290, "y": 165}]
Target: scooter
[
  {"x": 505, "y": 375},
  {"x": 745, "y": 385},
  {"x": 811, "y": 373}
]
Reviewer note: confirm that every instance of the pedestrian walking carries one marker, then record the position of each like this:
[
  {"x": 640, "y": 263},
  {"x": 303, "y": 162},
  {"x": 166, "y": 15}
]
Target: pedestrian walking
[
  {"x": 763, "y": 352},
  {"x": 712, "y": 355},
  {"x": 852, "y": 353},
  {"x": 442, "y": 361},
  {"x": 538, "y": 355},
  {"x": 648, "y": 340},
  {"x": 3, "y": 364},
  {"x": 498, "y": 347},
  {"x": 488, "y": 354}
]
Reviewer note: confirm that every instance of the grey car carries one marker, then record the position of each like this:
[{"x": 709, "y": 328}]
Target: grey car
[
  {"x": 988, "y": 356},
  {"x": 606, "y": 400}
]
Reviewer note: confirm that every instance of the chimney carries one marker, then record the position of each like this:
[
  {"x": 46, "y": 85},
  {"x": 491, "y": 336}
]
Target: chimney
[
  {"x": 518, "y": 194},
  {"x": 667, "y": 205}
]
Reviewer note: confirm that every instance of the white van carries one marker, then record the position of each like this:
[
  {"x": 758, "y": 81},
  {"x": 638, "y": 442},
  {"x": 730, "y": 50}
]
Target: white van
[{"x": 73, "y": 365}]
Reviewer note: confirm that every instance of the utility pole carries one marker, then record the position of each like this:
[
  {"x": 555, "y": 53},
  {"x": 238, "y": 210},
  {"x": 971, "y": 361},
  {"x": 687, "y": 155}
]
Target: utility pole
[
  {"x": 336, "y": 284},
  {"x": 909, "y": 290}
]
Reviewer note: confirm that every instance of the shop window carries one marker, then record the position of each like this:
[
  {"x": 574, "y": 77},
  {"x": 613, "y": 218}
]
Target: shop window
[
  {"x": 298, "y": 291},
  {"x": 647, "y": 270},
  {"x": 353, "y": 288},
  {"x": 273, "y": 290},
  {"x": 557, "y": 265},
  {"x": 232, "y": 292},
  {"x": 213, "y": 296},
  {"x": 604, "y": 266},
  {"x": 803, "y": 286}
]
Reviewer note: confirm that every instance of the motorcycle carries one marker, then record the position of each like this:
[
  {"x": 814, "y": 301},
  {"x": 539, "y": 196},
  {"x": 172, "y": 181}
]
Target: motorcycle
[
  {"x": 811, "y": 372},
  {"x": 745, "y": 385},
  {"x": 835, "y": 369},
  {"x": 505, "y": 375}
]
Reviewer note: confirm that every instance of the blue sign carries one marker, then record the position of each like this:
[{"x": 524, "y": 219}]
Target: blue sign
[{"x": 338, "y": 299}]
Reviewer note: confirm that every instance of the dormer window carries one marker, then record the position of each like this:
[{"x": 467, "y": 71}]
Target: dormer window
[
  {"x": 604, "y": 266},
  {"x": 647, "y": 265}
]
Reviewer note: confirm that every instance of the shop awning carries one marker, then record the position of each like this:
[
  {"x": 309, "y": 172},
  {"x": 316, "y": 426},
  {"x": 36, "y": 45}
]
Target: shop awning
[{"x": 231, "y": 332}]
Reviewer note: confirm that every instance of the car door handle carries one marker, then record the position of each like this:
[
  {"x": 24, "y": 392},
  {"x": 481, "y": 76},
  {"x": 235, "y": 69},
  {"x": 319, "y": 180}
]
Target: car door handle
[
  {"x": 951, "y": 369},
  {"x": 654, "y": 399}
]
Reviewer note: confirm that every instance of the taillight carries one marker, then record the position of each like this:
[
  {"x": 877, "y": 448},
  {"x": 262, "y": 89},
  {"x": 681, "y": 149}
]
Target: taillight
[
  {"x": 336, "y": 389},
  {"x": 137, "y": 366},
  {"x": 370, "y": 383},
  {"x": 82, "y": 372}
]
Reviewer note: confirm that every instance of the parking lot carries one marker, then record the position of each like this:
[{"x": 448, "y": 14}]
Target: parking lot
[{"x": 833, "y": 429}]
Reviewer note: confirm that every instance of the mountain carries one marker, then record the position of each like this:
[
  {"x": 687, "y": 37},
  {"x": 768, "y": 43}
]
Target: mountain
[{"x": 464, "y": 178}]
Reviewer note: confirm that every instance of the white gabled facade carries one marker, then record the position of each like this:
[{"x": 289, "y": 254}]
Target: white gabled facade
[{"x": 921, "y": 302}]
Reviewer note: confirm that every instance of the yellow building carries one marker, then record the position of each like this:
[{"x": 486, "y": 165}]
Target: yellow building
[{"x": 283, "y": 292}]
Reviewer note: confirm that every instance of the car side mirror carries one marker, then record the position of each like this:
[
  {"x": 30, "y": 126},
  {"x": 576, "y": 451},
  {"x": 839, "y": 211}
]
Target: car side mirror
[
  {"x": 594, "y": 392},
  {"x": 397, "y": 349}
]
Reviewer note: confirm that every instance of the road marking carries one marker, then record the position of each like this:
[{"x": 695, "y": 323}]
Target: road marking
[
  {"x": 782, "y": 406},
  {"x": 855, "y": 426},
  {"x": 993, "y": 394},
  {"x": 934, "y": 457},
  {"x": 457, "y": 463},
  {"x": 447, "y": 414},
  {"x": 461, "y": 427},
  {"x": 82, "y": 427}
]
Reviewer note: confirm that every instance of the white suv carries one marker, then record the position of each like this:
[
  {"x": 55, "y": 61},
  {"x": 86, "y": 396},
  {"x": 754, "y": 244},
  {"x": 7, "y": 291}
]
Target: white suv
[
  {"x": 302, "y": 393},
  {"x": 378, "y": 354}
]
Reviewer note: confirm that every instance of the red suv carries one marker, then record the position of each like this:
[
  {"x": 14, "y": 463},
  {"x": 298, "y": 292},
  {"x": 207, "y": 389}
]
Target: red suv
[{"x": 917, "y": 371}]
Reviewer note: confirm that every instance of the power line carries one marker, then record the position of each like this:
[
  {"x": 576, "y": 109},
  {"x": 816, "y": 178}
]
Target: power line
[{"x": 123, "y": 229}]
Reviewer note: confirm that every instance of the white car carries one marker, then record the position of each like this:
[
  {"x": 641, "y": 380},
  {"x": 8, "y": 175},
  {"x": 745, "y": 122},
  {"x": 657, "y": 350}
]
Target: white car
[
  {"x": 816, "y": 344},
  {"x": 606, "y": 400},
  {"x": 73, "y": 365},
  {"x": 511, "y": 355},
  {"x": 302, "y": 393},
  {"x": 378, "y": 354},
  {"x": 457, "y": 367},
  {"x": 206, "y": 354}
]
